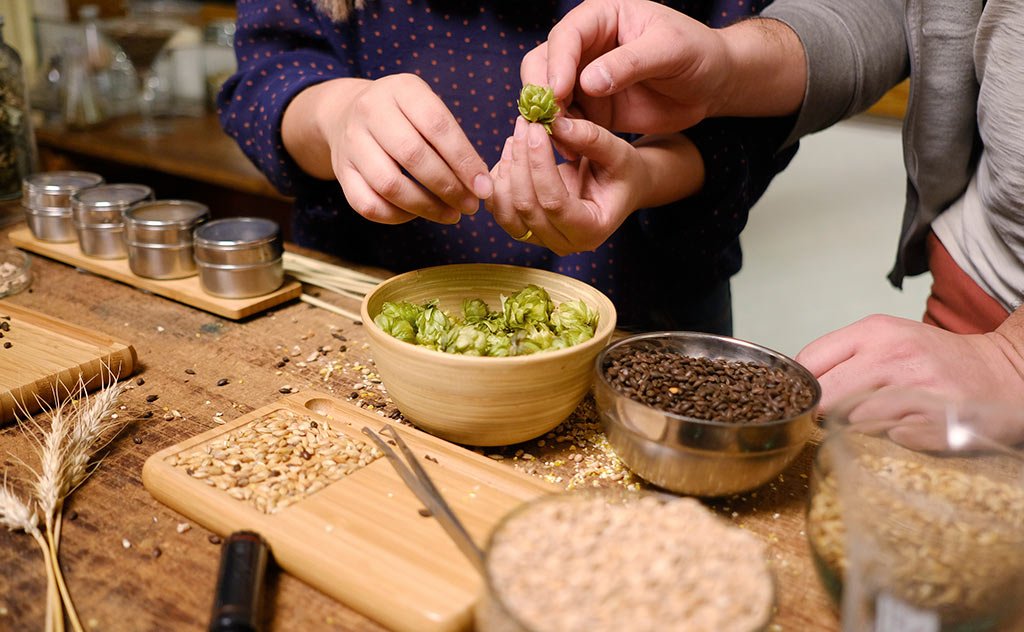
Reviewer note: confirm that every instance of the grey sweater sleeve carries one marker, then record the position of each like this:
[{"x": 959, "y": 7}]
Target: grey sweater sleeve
[{"x": 856, "y": 50}]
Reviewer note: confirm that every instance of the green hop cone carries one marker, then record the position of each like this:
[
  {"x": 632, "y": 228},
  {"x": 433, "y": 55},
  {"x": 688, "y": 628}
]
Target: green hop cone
[{"x": 537, "y": 104}]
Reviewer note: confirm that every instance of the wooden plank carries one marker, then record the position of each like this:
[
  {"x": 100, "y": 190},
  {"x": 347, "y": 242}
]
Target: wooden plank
[
  {"x": 187, "y": 290},
  {"x": 361, "y": 539},
  {"x": 48, "y": 356}
]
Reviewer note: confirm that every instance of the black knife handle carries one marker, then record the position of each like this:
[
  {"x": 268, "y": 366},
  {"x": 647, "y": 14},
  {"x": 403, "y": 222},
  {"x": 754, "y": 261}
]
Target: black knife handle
[{"x": 238, "y": 604}]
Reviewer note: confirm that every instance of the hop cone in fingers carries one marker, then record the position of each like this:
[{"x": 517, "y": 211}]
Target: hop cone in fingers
[{"x": 537, "y": 104}]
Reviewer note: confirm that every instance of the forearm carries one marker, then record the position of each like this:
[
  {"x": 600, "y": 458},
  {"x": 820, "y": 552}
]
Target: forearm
[
  {"x": 767, "y": 69},
  {"x": 308, "y": 119},
  {"x": 854, "y": 50},
  {"x": 673, "y": 169}
]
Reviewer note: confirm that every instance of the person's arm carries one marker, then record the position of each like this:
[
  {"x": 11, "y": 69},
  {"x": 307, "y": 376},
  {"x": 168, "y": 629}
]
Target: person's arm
[
  {"x": 277, "y": 60},
  {"x": 855, "y": 51},
  {"x": 826, "y": 59},
  {"x": 298, "y": 112}
]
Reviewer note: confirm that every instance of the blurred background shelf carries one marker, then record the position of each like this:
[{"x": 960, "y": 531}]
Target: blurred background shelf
[{"x": 196, "y": 161}]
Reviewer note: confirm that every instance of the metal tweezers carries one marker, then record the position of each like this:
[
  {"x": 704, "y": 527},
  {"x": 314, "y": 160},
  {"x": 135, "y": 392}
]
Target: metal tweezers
[{"x": 417, "y": 480}]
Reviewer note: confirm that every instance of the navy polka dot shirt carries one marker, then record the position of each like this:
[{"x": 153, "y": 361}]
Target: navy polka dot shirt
[{"x": 658, "y": 261}]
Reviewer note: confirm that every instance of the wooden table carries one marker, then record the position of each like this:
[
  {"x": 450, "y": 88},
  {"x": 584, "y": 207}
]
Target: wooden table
[{"x": 118, "y": 588}]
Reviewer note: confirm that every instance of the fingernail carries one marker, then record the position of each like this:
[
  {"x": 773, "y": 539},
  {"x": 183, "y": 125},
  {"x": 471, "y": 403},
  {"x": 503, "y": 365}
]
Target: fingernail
[
  {"x": 483, "y": 187},
  {"x": 536, "y": 136},
  {"x": 451, "y": 217},
  {"x": 599, "y": 78},
  {"x": 554, "y": 81},
  {"x": 520, "y": 130},
  {"x": 562, "y": 124}
]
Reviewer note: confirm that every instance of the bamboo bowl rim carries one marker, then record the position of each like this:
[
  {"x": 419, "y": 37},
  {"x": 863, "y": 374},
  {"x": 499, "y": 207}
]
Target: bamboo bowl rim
[{"x": 605, "y": 325}]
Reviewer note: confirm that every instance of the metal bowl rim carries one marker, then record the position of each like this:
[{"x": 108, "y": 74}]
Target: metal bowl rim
[{"x": 681, "y": 420}]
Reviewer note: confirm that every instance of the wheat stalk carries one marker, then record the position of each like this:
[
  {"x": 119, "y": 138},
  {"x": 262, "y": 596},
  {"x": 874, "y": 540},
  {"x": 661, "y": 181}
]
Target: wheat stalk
[
  {"x": 17, "y": 515},
  {"x": 80, "y": 426}
]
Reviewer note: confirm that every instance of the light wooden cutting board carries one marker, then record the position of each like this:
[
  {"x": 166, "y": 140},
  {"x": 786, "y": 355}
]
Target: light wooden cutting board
[
  {"x": 48, "y": 356},
  {"x": 362, "y": 539}
]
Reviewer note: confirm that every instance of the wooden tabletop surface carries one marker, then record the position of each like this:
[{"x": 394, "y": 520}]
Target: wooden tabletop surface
[{"x": 165, "y": 579}]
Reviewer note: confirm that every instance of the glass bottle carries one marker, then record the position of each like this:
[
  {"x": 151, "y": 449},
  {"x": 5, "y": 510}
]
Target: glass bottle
[
  {"x": 17, "y": 142},
  {"x": 83, "y": 107}
]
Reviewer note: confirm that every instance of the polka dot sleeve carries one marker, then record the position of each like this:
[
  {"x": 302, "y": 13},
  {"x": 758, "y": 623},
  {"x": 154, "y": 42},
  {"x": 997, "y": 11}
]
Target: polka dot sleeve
[{"x": 281, "y": 50}]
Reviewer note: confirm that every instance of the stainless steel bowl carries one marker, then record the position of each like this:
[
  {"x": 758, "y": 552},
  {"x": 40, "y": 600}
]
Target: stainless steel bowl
[
  {"x": 242, "y": 281},
  {"x": 54, "y": 225},
  {"x": 695, "y": 456},
  {"x": 164, "y": 222},
  {"x": 238, "y": 241},
  {"x": 161, "y": 261}
]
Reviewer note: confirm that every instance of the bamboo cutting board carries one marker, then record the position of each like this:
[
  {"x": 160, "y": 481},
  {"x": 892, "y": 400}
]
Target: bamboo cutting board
[
  {"x": 47, "y": 356},
  {"x": 187, "y": 290},
  {"x": 361, "y": 539}
]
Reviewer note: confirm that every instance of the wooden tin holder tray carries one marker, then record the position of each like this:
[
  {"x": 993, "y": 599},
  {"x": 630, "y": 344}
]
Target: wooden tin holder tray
[
  {"x": 185, "y": 290},
  {"x": 363, "y": 539}
]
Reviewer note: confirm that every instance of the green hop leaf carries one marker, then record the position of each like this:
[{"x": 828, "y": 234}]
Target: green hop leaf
[{"x": 537, "y": 104}]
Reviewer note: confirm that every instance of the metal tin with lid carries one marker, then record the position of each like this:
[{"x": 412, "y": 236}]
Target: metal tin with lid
[
  {"x": 238, "y": 240},
  {"x": 46, "y": 200},
  {"x": 158, "y": 234},
  {"x": 99, "y": 217},
  {"x": 239, "y": 257},
  {"x": 166, "y": 222}
]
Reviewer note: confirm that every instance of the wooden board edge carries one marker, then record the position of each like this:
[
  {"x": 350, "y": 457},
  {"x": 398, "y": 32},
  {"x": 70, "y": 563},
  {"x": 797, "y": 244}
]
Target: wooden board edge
[
  {"x": 234, "y": 309},
  {"x": 121, "y": 362}
]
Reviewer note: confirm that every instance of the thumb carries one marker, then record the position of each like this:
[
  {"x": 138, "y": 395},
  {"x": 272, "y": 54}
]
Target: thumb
[{"x": 626, "y": 65}]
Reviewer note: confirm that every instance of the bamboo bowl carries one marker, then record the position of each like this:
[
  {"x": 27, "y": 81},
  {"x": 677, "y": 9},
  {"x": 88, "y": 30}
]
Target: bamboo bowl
[{"x": 482, "y": 400}]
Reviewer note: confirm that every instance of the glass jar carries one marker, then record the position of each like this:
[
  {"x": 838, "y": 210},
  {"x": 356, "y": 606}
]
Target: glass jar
[
  {"x": 219, "y": 57},
  {"x": 17, "y": 142},
  {"x": 916, "y": 513}
]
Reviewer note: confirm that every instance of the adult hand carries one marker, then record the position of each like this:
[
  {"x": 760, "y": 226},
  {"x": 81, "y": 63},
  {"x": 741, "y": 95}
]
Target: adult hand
[
  {"x": 397, "y": 151},
  {"x": 575, "y": 206},
  {"x": 647, "y": 68},
  {"x": 888, "y": 353}
]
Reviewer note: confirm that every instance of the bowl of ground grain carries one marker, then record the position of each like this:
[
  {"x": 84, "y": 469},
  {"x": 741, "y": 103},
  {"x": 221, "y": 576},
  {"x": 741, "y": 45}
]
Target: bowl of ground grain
[
  {"x": 440, "y": 375},
  {"x": 702, "y": 414},
  {"x": 598, "y": 561}
]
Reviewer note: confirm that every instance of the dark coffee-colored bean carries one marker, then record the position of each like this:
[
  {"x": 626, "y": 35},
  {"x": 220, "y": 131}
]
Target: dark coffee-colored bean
[{"x": 707, "y": 388}]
